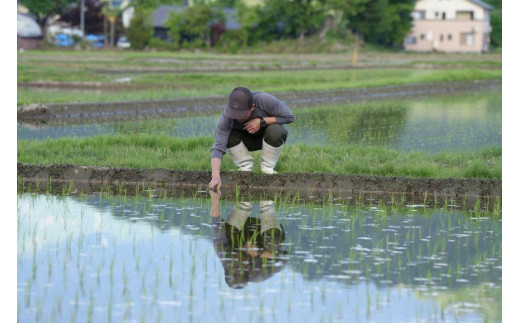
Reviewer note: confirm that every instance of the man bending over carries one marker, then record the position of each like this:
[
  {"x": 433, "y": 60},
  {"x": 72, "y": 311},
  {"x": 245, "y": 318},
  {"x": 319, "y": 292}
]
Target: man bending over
[{"x": 251, "y": 121}]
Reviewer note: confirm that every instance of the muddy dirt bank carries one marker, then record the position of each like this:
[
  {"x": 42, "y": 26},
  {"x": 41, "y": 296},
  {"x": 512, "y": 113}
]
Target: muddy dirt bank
[
  {"x": 259, "y": 68},
  {"x": 88, "y": 86},
  {"x": 131, "y": 110},
  {"x": 307, "y": 184}
]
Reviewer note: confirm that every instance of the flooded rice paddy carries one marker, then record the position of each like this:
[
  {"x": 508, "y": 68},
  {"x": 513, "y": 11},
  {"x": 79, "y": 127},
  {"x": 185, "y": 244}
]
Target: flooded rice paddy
[
  {"x": 462, "y": 122},
  {"x": 114, "y": 258}
]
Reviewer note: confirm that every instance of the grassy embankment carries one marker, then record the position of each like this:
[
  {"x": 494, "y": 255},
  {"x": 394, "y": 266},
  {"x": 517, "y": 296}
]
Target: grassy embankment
[
  {"x": 206, "y": 84},
  {"x": 105, "y": 68},
  {"x": 160, "y": 151}
]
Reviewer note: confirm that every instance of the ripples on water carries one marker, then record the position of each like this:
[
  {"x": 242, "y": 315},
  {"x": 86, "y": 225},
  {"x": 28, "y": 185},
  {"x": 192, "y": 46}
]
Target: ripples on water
[{"x": 115, "y": 258}]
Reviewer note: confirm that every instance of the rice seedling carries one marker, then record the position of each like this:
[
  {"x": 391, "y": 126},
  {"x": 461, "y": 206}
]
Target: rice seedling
[{"x": 380, "y": 236}]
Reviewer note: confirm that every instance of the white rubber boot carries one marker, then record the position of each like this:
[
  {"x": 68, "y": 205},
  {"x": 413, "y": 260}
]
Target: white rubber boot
[
  {"x": 268, "y": 219},
  {"x": 270, "y": 228},
  {"x": 269, "y": 156},
  {"x": 238, "y": 216},
  {"x": 241, "y": 157}
]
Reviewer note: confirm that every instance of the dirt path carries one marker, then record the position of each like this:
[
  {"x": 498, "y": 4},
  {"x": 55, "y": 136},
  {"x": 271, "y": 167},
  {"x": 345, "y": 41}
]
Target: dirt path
[
  {"x": 305, "y": 184},
  {"x": 131, "y": 110}
]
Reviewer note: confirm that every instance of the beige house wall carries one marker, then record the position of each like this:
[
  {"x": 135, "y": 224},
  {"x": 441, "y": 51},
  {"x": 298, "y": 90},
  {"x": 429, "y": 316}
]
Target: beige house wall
[
  {"x": 435, "y": 36},
  {"x": 440, "y": 30}
]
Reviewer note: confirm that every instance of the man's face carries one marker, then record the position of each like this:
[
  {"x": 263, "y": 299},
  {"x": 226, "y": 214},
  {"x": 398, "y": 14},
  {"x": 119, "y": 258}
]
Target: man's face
[{"x": 248, "y": 115}]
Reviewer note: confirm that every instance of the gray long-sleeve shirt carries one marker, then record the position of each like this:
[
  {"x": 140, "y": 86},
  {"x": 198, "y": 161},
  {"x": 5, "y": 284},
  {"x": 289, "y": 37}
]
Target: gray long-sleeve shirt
[{"x": 266, "y": 106}]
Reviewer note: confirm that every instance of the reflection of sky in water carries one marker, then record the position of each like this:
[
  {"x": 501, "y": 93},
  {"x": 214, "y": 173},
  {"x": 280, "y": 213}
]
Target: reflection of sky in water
[
  {"x": 138, "y": 259},
  {"x": 461, "y": 123}
]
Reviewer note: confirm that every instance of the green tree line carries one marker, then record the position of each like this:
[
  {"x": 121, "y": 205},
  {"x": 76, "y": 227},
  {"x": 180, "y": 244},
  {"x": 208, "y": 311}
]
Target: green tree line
[{"x": 378, "y": 22}]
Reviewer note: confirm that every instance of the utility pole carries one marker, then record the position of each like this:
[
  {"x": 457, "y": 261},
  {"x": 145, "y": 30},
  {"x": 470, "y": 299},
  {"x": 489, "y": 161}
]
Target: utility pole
[{"x": 82, "y": 18}]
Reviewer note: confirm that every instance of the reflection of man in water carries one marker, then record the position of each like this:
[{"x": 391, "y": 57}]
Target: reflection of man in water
[{"x": 248, "y": 247}]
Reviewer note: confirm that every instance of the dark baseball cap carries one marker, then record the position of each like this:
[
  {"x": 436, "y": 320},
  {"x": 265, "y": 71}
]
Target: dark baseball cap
[{"x": 240, "y": 101}]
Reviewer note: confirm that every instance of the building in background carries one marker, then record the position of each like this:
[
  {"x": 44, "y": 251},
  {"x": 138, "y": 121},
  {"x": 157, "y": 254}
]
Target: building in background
[
  {"x": 28, "y": 31},
  {"x": 450, "y": 26}
]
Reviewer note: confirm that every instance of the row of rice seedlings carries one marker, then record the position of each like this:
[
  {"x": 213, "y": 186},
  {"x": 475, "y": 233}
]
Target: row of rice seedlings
[{"x": 149, "y": 190}]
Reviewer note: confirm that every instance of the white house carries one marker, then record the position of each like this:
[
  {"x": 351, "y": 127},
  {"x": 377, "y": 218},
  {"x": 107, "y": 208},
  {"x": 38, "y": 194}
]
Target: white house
[{"x": 450, "y": 26}]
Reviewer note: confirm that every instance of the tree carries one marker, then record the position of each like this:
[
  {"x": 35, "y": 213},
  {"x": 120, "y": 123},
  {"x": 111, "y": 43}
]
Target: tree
[
  {"x": 140, "y": 30},
  {"x": 300, "y": 18},
  {"x": 194, "y": 24},
  {"x": 93, "y": 16},
  {"x": 247, "y": 17},
  {"x": 45, "y": 9},
  {"x": 290, "y": 19},
  {"x": 152, "y": 4},
  {"x": 496, "y": 22},
  {"x": 111, "y": 13},
  {"x": 383, "y": 22},
  {"x": 338, "y": 12}
]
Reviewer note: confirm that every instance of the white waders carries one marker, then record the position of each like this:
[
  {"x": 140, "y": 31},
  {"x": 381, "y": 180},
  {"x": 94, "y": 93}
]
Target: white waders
[
  {"x": 269, "y": 156},
  {"x": 241, "y": 157}
]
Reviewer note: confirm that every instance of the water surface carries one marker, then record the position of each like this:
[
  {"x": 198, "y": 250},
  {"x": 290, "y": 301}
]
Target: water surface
[
  {"x": 466, "y": 122},
  {"x": 141, "y": 259}
]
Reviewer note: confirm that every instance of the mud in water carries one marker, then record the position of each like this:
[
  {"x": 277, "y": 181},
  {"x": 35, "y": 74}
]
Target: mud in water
[
  {"x": 424, "y": 190},
  {"x": 132, "y": 110}
]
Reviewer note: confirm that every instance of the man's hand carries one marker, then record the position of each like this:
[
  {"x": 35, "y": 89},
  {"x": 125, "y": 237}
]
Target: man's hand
[
  {"x": 215, "y": 194},
  {"x": 214, "y": 210},
  {"x": 215, "y": 184},
  {"x": 253, "y": 125},
  {"x": 215, "y": 174}
]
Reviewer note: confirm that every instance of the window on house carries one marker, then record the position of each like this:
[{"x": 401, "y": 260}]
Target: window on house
[
  {"x": 422, "y": 36},
  {"x": 467, "y": 39},
  {"x": 442, "y": 37},
  {"x": 419, "y": 15},
  {"x": 443, "y": 16},
  {"x": 436, "y": 14},
  {"x": 449, "y": 36},
  {"x": 411, "y": 40},
  {"x": 464, "y": 15}
]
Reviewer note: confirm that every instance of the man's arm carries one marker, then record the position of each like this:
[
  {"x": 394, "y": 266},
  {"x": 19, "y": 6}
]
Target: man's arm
[
  {"x": 254, "y": 124},
  {"x": 276, "y": 108},
  {"x": 224, "y": 126},
  {"x": 215, "y": 174}
]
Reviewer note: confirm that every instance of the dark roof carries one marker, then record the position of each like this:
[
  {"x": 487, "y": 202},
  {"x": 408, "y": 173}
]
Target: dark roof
[
  {"x": 161, "y": 13},
  {"x": 482, "y": 4}
]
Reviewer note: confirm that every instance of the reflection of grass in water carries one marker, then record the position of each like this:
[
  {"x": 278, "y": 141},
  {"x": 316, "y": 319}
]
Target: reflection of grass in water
[{"x": 423, "y": 123}]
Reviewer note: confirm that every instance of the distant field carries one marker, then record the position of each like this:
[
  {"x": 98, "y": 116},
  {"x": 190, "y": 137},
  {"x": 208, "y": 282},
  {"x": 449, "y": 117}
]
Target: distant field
[{"x": 120, "y": 76}]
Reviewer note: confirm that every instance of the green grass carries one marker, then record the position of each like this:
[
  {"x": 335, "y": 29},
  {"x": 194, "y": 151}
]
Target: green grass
[
  {"x": 96, "y": 66},
  {"x": 205, "y": 84},
  {"x": 160, "y": 151}
]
